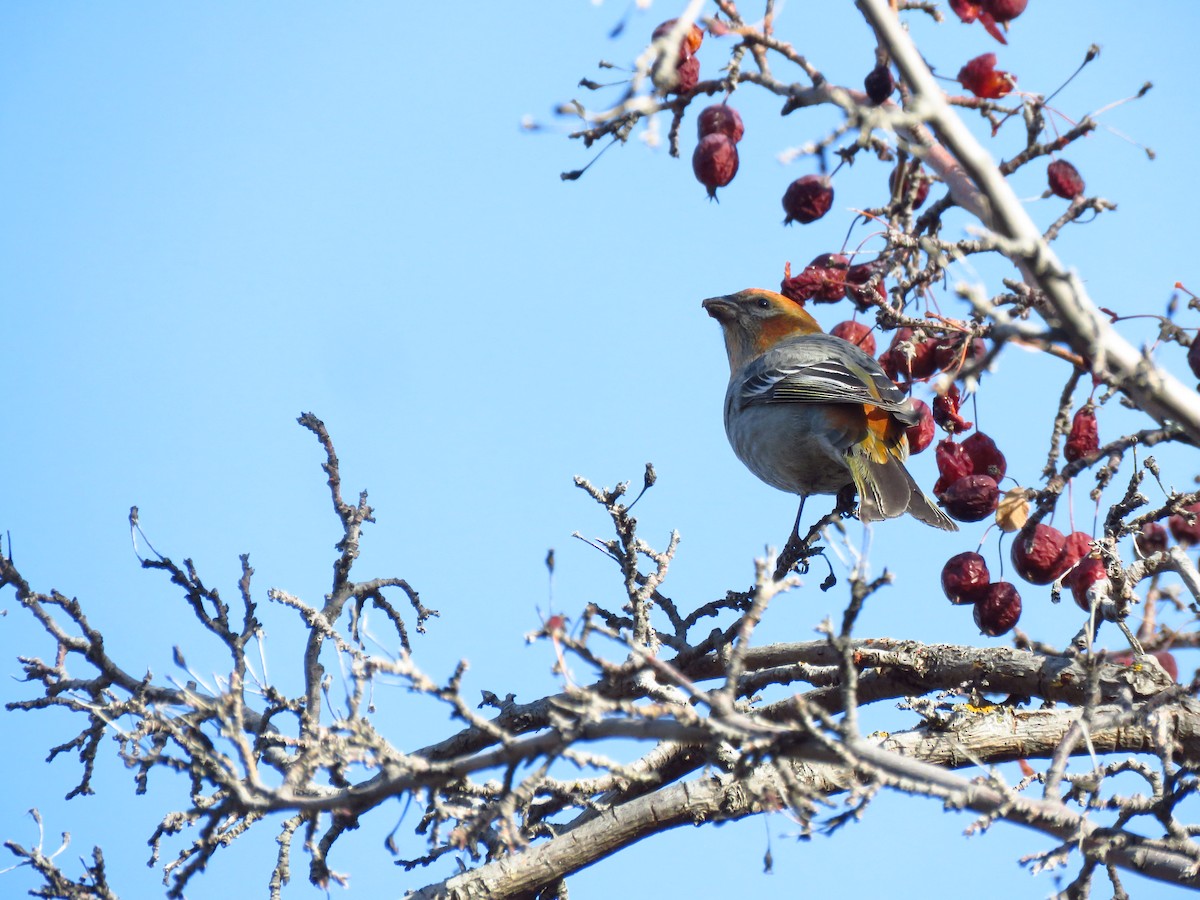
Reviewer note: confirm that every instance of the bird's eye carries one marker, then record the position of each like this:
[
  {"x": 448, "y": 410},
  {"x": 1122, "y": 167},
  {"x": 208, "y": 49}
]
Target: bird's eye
[{"x": 764, "y": 303}]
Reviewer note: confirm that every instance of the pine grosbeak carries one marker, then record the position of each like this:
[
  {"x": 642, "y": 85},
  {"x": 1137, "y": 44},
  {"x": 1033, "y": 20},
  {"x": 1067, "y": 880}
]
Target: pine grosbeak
[{"x": 810, "y": 413}]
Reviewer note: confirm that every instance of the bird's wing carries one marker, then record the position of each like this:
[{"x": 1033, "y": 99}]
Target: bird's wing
[{"x": 822, "y": 369}]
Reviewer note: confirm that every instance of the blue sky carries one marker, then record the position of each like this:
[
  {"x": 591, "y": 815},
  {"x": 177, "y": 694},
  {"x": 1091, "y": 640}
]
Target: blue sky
[{"x": 214, "y": 217}]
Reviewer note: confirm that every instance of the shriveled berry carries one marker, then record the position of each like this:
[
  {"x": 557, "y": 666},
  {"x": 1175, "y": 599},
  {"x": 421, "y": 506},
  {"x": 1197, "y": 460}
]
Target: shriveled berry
[
  {"x": 1185, "y": 532},
  {"x": 920, "y": 435},
  {"x": 1153, "y": 539},
  {"x": 807, "y": 199},
  {"x": 1077, "y": 545},
  {"x": 998, "y": 608},
  {"x": 687, "y": 76},
  {"x": 1004, "y": 10},
  {"x": 860, "y": 336},
  {"x": 981, "y": 77},
  {"x": 910, "y": 177},
  {"x": 985, "y": 456},
  {"x": 953, "y": 463},
  {"x": 879, "y": 84},
  {"x": 971, "y": 498},
  {"x": 1088, "y": 581},
  {"x": 945, "y": 411},
  {"x": 913, "y": 360},
  {"x": 964, "y": 576},
  {"x": 1037, "y": 554},
  {"x": 715, "y": 162},
  {"x": 720, "y": 119},
  {"x": 864, "y": 285},
  {"x": 822, "y": 281},
  {"x": 1084, "y": 437},
  {"x": 1065, "y": 180}
]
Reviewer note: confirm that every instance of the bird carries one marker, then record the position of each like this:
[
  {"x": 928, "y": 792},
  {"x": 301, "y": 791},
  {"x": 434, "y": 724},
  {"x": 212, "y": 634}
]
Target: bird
[{"x": 810, "y": 413}]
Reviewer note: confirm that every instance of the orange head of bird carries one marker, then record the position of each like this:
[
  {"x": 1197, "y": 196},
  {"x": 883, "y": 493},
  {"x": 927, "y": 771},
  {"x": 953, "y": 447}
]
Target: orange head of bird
[{"x": 755, "y": 320}]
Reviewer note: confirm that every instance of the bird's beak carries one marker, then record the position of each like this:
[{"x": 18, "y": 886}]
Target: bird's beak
[{"x": 720, "y": 308}]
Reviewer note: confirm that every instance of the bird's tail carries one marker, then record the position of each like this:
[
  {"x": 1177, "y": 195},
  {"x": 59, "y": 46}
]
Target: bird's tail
[{"x": 886, "y": 490}]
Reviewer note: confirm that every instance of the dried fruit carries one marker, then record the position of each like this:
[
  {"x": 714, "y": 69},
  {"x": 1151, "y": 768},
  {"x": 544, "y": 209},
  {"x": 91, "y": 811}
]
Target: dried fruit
[
  {"x": 681, "y": 74},
  {"x": 971, "y": 498},
  {"x": 953, "y": 463},
  {"x": 985, "y": 456},
  {"x": 914, "y": 179},
  {"x": 1065, "y": 180},
  {"x": 715, "y": 162},
  {"x": 1185, "y": 532},
  {"x": 823, "y": 280},
  {"x": 1084, "y": 438},
  {"x": 998, "y": 608},
  {"x": 720, "y": 119},
  {"x": 981, "y": 77},
  {"x": 1004, "y": 10},
  {"x": 920, "y": 435},
  {"x": 862, "y": 337},
  {"x": 964, "y": 576},
  {"x": 1088, "y": 582},
  {"x": 1077, "y": 545},
  {"x": 1153, "y": 539},
  {"x": 807, "y": 199},
  {"x": 879, "y": 84},
  {"x": 914, "y": 360},
  {"x": 1037, "y": 554},
  {"x": 945, "y": 411},
  {"x": 864, "y": 285}
]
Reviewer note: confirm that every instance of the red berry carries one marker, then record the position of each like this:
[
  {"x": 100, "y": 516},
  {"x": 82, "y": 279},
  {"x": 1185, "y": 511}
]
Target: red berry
[
  {"x": 897, "y": 361},
  {"x": 720, "y": 119},
  {"x": 1065, "y": 180},
  {"x": 998, "y": 608},
  {"x": 1088, "y": 581},
  {"x": 971, "y": 498},
  {"x": 1004, "y": 10},
  {"x": 879, "y": 84},
  {"x": 864, "y": 285},
  {"x": 953, "y": 463},
  {"x": 687, "y": 76},
  {"x": 945, "y": 411},
  {"x": 1077, "y": 545},
  {"x": 981, "y": 77},
  {"x": 914, "y": 179},
  {"x": 1037, "y": 555},
  {"x": 985, "y": 456},
  {"x": 1153, "y": 539},
  {"x": 715, "y": 162},
  {"x": 807, "y": 199},
  {"x": 1083, "y": 439},
  {"x": 860, "y": 336},
  {"x": 823, "y": 280},
  {"x": 964, "y": 576},
  {"x": 920, "y": 435},
  {"x": 1185, "y": 532}
]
